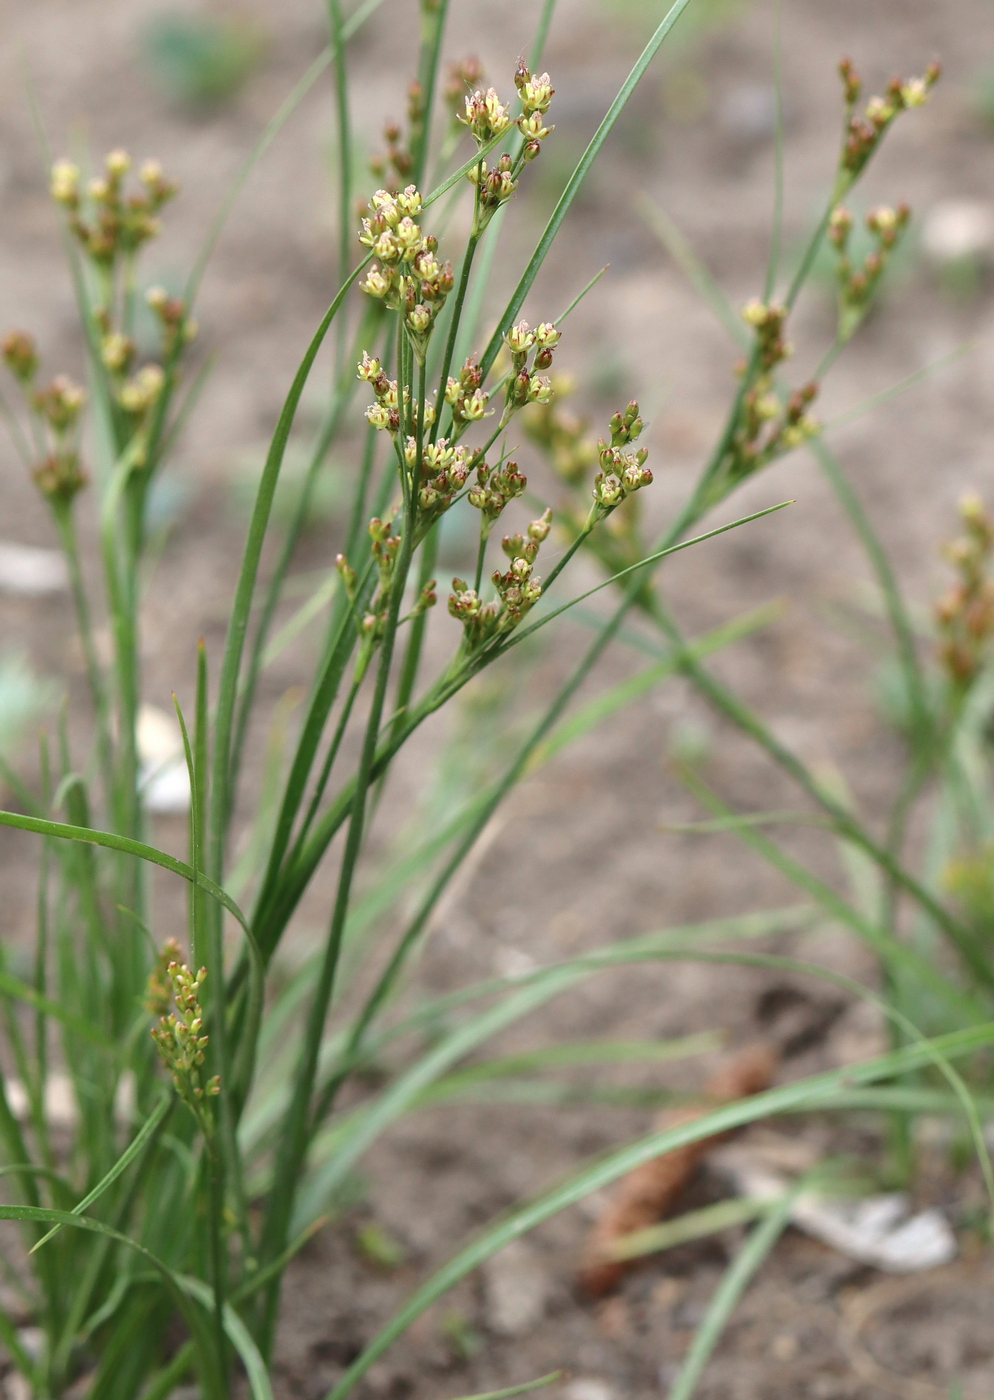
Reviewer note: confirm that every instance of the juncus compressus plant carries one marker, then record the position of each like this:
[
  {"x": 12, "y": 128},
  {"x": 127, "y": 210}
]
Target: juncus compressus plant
[{"x": 208, "y": 1141}]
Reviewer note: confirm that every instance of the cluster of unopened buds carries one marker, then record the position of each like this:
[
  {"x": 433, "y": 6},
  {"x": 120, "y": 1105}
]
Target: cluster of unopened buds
[
  {"x": 466, "y": 396},
  {"x": 116, "y": 223},
  {"x": 863, "y": 132},
  {"x": 398, "y": 157},
  {"x": 769, "y": 427},
  {"x": 517, "y": 589},
  {"x": 384, "y": 413},
  {"x": 494, "y": 488},
  {"x": 55, "y": 407},
  {"x": 176, "y": 327},
  {"x": 767, "y": 320},
  {"x": 408, "y": 276},
  {"x": 179, "y": 1035},
  {"x": 620, "y": 473},
  {"x": 135, "y": 393},
  {"x": 384, "y": 548},
  {"x": 965, "y": 613},
  {"x": 524, "y": 384},
  {"x": 857, "y": 285}
]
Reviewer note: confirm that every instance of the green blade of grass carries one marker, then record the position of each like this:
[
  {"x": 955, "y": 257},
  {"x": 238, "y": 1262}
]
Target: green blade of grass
[
  {"x": 110, "y": 841},
  {"x": 610, "y": 701},
  {"x": 137, "y": 1145},
  {"x": 576, "y": 180},
  {"x": 22, "y": 991},
  {"x": 683, "y": 253},
  {"x": 887, "y": 948},
  {"x": 728, "y": 1293},
  {"x": 268, "y": 135},
  {"x": 510, "y": 1390},
  {"x": 238, "y": 1334},
  {"x": 235, "y": 640},
  {"x": 193, "y": 1316},
  {"x": 693, "y": 1225},
  {"x": 816, "y": 1089}
]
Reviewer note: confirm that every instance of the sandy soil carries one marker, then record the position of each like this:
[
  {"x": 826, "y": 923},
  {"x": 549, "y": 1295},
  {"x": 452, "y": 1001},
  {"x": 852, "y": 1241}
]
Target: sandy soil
[{"x": 582, "y": 860}]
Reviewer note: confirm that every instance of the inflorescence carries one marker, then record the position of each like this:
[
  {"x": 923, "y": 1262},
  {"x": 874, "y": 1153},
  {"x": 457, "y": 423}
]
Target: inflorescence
[
  {"x": 179, "y": 1034},
  {"x": 964, "y": 614}
]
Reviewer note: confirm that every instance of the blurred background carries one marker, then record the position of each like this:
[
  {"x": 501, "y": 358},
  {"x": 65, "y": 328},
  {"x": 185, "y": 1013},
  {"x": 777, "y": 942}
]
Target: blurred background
[{"x": 583, "y": 858}]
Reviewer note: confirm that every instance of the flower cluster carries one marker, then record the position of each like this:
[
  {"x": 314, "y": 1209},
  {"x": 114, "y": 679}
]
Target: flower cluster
[
  {"x": 466, "y": 397},
  {"x": 524, "y": 384},
  {"x": 864, "y": 132},
  {"x": 517, "y": 589},
  {"x": 768, "y": 426},
  {"x": 136, "y": 393},
  {"x": 398, "y": 157},
  {"x": 55, "y": 408},
  {"x": 467, "y": 73},
  {"x": 179, "y": 1035},
  {"x": 115, "y": 224},
  {"x": 385, "y": 412},
  {"x": 408, "y": 276},
  {"x": 384, "y": 548},
  {"x": 965, "y": 613},
  {"x": 488, "y": 118},
  {"x": 857, "y": 286},
  {"x": 485, "y": 115},
  {"x": 176, "y": 327},
  {"x": 494, "y": 187},
  {"x": 620, "y": 473},
  {"x": 536, "y": 93},
  {"x": 767, "y": 320},
  {"x": 444, "y": 469},
  {"x": 494, "y": 488}
]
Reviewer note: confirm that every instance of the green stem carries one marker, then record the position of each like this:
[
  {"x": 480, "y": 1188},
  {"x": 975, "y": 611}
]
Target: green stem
[
  {"x": 294, "y": 1135},
  {"x": 340, "y": 70},
  {"x": 64, "y": 523}
]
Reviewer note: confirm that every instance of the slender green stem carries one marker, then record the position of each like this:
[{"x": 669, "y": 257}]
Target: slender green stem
[
  {"x": 294, "y": 1135},
  {"x": 340, "y": 71},
  {"x": 433, "y": 18},
  {"x": 541, "y": 34},
  {"x": 62, "y": 513}
]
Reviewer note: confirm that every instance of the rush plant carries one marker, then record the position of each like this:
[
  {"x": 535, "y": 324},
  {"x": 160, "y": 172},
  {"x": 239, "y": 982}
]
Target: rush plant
[{"x": 209, "y": 1134}]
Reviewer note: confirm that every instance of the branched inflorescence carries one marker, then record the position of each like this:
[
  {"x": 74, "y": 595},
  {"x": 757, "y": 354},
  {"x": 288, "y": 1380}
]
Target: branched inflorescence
[
  {"x": 517, "y": 588},
  {"x": 55, "y": 413},
  {"x": 864, "y": 131},
  {"x": 964, "y": 614},
  {"x": 618, "y": 474},
  {"x": 488, "y": 118},
  {"x": 857, "y": 285},
  {"x": 179, "y": 1034},
  {"x": 408, "y": 277},
  {"x": 110, "y": 227}
]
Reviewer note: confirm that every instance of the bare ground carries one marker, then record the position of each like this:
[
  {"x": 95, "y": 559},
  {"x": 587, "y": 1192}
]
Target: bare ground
[{"x": 581, "y": 860}]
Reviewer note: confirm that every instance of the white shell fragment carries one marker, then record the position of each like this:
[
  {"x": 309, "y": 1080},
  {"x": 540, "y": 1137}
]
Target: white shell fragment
[
  {"x": 957, "y": 229},
  {"x": 31, "y": 572},
  {"x": 876, "y": 1230},
  {"x": 163, "y": 777},
  {"x": 60, "y": 1107}
]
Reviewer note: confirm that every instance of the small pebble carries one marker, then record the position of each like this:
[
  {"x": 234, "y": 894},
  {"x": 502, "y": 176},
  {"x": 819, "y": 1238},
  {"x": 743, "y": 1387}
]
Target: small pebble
[
  {"x": 590, "y": 1388},
  {"x": 517, "y": 1290},
  {"x": 956, "y": 229},
  {"x": 32, "y": 572}
]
